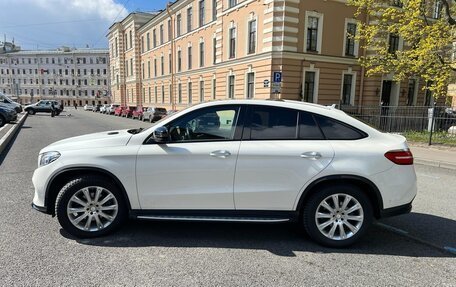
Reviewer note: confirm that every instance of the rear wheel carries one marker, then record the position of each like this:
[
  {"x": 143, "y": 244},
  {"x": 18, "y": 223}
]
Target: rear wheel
[
  {"x": 2, "y": 121},
  {"x": 337, "y": 216},
  {"x": 90, "y": 206},
  {"x": 31, "y": 112}
]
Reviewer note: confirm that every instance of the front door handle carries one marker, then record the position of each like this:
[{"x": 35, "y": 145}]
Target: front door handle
[
  {"x": 220, "y": 153},
  {"x": 311, "y": 155}
]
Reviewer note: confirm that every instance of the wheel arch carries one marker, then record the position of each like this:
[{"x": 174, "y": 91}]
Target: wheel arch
[
  {"x": 367, "y": 186},
  {"x": 61, "y": 178}
]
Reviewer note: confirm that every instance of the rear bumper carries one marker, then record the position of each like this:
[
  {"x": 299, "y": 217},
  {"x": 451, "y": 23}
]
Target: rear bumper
[{"x": 398, "y": 210}]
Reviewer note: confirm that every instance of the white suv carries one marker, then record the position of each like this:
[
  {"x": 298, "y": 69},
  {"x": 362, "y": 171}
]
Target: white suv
[{"x": 237, "y": 160}]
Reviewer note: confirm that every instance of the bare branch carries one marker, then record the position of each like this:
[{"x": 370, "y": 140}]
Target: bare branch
[{"x": 451, "y": 20}]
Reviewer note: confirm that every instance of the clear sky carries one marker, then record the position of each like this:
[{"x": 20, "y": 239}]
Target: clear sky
[{"x": 49, "y": 24}]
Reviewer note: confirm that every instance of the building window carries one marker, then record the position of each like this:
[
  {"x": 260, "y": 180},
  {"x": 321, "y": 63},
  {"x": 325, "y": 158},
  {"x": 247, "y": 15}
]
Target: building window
[
  {"x": 150, "y": 95},
  {"x": 148, "y": 41},
  {"x": 170, "y": 63},
  {"x": 347, "y": 89},
  {"x": 156, "y": 94},
  {"x": 143, "y": 71},
  {"x": 411, "y": 92},
  {"x": 179, "y": 61},
  {"x": 437, "y": 9},
  {"x": 148, "y": 69},
  {"x": 232, "y": 3},
  {"x": 161, "y": 34},
  {"x": 201, "y": 46},
  {"x": 189, "y": 19},
  {"x": 214, "y": 10},
  {"x": 179, "y": 93},
  {"x": 142, "y": 44},
  {"x": 214, "y": 88},
  {"x": 231, "y": 80},
  {"x": 312, "y": 34},
  {"x": 201, "y": 91},
  {"x": 178, "y": 24},
  {"x": 232, "y": 44},
  {"x": 190, "y": 92},
  {"x": 131, "y": 67},
  {"x": 393, "y": 43},
  {"x": 131, "y": 39},
  {"x": 214, "y": 50},
  {"x": 250, "y": 85},
  {"x": 162, "y": 65},
  {"x": 189, "y": 57},
  {"x": 155, "y": 68},
  {"x": 349, "y": 40},
  {"x": 309, "y": 87},
  {"x": 252, "y": 36},
  {"x": 163, "y": 94},
  {"x": 428, "y": 98},
  {"x": 154, "y": 38},
  {"x": 201, "y": 13}
]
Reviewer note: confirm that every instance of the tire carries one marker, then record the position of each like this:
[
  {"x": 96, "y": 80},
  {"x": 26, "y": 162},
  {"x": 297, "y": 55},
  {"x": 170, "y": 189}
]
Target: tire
[
  {"x": 337, "y": 220},
  {"x": 31, "y": 112},
  {"x": 73, "y": 195},
  {"x": 2, "y": 121}
]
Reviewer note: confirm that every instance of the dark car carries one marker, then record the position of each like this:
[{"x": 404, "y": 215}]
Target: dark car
[
  {"x": 153, "y": 114},
  {"x": 7, "y": 115},
  {"x": 128, "y": 112},
  {"x": 43, "y": 106},
  {"x": 4, "y": 99}
]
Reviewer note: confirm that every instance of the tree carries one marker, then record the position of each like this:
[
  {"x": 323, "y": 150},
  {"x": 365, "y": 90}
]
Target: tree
[{"x": 426, "y": 29}]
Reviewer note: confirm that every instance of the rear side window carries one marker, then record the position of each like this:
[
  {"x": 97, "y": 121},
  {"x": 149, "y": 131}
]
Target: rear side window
[
  {"x": 308, "y": 128},
  {"x": 273, "y": 123},
  {"x": 335, "y": 130}
]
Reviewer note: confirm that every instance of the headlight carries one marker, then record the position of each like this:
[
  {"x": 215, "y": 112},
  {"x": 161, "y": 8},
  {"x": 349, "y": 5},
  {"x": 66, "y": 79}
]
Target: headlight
[{"x": 47, "y": 157}]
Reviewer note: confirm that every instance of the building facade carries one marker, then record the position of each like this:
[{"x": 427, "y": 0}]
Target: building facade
[
  {"x": 201, "y": 50},
  {"x": 68, "y": 75}
]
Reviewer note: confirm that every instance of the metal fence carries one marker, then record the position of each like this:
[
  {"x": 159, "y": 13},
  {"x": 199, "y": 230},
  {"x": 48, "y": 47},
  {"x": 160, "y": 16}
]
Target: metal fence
[{"x": 400, "y": 119}]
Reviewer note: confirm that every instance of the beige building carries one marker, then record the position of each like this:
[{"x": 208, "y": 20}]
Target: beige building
[{"x": 200, "y": 50}]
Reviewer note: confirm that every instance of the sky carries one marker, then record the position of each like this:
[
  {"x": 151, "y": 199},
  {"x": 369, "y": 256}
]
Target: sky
[{"x": 49, "y": 24}]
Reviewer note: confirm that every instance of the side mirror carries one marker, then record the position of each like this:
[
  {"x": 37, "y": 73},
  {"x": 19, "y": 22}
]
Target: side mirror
[{"x": 161, "y": 134}]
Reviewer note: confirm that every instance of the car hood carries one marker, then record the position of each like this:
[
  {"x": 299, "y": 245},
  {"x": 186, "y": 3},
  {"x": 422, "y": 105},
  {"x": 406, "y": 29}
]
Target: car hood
[{"x": 91, "y": 141}]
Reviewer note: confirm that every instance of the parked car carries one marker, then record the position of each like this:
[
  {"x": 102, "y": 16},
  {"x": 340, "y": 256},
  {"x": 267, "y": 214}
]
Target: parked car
[
  {"x": 111, "y": 108},
  {"x": 119, "y": 110},
  {"x": 103, "y": 109},
  {"x": 153, "y": 114},
  {"x": 7, "y": 114},
  {"x": 237, "y": 160},
  {"x": 138, "y": 113},
  {"x": 43, "y": 106},
  {"x": 96, "y": 108},
  {"x": 88, "y": 107},
  {"x": 128, "y": 112},
  {"x": 8, "y": 101}
]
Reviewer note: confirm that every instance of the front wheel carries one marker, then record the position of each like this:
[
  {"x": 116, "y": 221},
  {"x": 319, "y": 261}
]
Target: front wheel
[
  {"x": 337, "y": 216},
  {"x": 31, "y": 112},
  {"x": 90, "y": 206}
]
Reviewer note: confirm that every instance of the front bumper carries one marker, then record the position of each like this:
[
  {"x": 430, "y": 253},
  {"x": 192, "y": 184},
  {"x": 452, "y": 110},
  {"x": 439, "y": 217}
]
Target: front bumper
[
  {"x": 42, "y": 209},
  {"x": 398, "y": 210}
]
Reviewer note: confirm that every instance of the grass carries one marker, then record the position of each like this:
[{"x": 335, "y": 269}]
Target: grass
[{"x": 437, "y": 138}]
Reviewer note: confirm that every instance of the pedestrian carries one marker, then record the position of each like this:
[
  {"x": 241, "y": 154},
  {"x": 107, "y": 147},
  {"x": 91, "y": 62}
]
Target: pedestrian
[
  {"x": 75, "y": 105},
  {"x": 52, "y": 109}
]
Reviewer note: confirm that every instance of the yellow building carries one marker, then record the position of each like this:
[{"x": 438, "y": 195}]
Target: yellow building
[{"x": 200, "y": 50}]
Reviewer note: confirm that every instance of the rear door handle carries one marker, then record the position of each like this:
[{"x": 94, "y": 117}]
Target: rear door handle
[
  {"x": 220, "y": 153},
  {"x": 311, "y": 155}
]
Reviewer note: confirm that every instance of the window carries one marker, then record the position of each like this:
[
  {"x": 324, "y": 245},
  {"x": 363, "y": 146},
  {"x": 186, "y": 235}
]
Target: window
[
  {"x": 179, "y": 61},
  {"x": 131, "y": 67},
  {"x": 189, "y": 57},
  {"x": 250, "y": 85},
  {"x": 214, "y": 10},
  {"x": 349, "y": 40},
  {"x": 156, "y": 94},
  {"x": 232, "y": 3},
  {"x": 334, "y": 130},
  {"x": 178, "y": 24},
  {"x": 155, "y": 67},
  {"x": 126, "y": 68},
  {"x": 201, "y": 91},
  {"x": 179, "y": 93},
  {"x": 232, "y": 44},
  {"x": 308, "y": 129},
  {"x": 163, "y": 94},
  {"x": 252, "y": 37},
  {"x": 154, "y": 38},
  {"x": 161, "y": 35},
  {"x": 347, "y": 88},
  {"x": 142, "y": 44},
  {"x": 189, "y": 19},
  {"x": 411, "y": 92},
  {"x": 201, "y": 13},
  {"x": 162, "y": 65},
  {"x": 437, "y": 9},
  {"x": 214, "y": 50},
  {"x": 309, "y": 87},
  {"x": 428, "y": 97},
  {"x": 148, "y": 69},
  {"x": 210, "y": 124},
  {"x": 131, "y": 39},
  {"x": 312, "y": 34},
  {"x": 393, "y": 43},
  {"x": 272, "y": 123},
  {"x": 201, "y": 46},
  {"x": 143, "y": 71},
  {"x": 170, "y": 35},
  {"x": 214, "y": 88},
  {"x": 190, "y": 92},
  {"x": 231, "y": 80}
]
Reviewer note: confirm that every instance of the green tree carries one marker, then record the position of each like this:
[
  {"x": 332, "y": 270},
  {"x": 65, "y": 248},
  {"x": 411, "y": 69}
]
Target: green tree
[{"x": 426, "y": 29}]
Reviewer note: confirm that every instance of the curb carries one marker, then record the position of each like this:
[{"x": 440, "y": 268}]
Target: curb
[
  {"x": 5, "y": 140},
  {"x": 441, "y": 164}
]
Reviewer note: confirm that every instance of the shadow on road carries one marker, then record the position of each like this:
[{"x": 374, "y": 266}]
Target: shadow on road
[{"x": 280, "y": 239}]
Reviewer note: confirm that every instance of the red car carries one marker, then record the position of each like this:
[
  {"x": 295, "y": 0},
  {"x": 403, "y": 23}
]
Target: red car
[
  {"x": 118, "y": 111},
  {"x": 138, "y": 113},
  {"x": 128, "y": 112}
]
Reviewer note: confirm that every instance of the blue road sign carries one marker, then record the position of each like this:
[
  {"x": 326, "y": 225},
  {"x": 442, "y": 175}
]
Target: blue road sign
[{"x": 277, "y": 77}]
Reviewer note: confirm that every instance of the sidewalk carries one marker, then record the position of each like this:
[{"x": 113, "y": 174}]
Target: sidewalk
[{"x": 438, "y": 156}]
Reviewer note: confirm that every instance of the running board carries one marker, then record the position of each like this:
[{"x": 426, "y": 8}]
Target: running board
[{"x": 213, "y": 218}]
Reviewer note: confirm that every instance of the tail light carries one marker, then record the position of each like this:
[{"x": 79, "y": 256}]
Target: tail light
[{"x": 400, "y": 157}]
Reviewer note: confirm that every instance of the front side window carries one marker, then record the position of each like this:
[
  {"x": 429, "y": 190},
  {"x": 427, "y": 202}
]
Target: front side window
[
  {"x": 209, "y": 124},
  {"x": 312, "y": 34},
  {"x": 273, "y": 123}
]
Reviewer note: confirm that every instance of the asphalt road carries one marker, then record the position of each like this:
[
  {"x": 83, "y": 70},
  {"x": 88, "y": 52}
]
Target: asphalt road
[{"x": 35, "y": 251}]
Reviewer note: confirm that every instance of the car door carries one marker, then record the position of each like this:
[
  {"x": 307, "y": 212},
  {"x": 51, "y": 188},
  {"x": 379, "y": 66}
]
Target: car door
[
  {"x": 195, "y": 168},
  {"x": 281, "y": 150}
]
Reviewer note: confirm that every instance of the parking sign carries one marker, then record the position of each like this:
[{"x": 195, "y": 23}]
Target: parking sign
[{"x": 277, "y": 77}]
